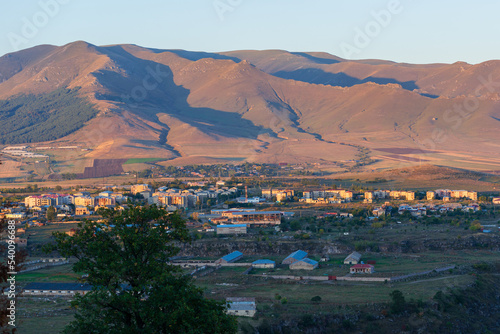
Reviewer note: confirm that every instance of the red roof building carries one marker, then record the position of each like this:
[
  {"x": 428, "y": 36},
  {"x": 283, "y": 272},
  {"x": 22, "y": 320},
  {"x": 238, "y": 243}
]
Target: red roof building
[{"x": 362, "y": 269}]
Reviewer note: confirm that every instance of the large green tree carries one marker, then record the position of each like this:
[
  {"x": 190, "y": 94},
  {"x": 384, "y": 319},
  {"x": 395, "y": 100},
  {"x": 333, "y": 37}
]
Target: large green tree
[
  {"x": 135, "y": 290},
  {"x": 51, "y": 213}
]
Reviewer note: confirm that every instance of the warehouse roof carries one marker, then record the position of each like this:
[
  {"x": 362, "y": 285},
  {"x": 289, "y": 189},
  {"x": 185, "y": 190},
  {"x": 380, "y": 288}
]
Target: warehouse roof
[
  {"x": 257, "y": 213},
  {"x": 298, "y": 255},
  {"x": 263, "y": 261},
  {"x": 230, "y": 257},
  {"x": 231, "y": 225},
  {"x": 309, "y": 261}
]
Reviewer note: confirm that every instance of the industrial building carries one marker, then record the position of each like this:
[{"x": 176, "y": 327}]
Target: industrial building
[
  {"x": 352, "y": 258},
  {"x": 241, "y": 307},
  {"x": 294, "y": 257},
  {"x": 261, "y": 264},
  {"x": 232, "y": 229},
  {"x": 304, "y": 264},
  {"x": 56, "y": 289},
  {"x": 230, "y": 258},
  {"x": 252, "y": 218}
]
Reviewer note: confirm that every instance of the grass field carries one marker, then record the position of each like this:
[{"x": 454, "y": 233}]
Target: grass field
[
  {"x": 43, "y": 315},
  {"x": 39, "y": 236},
  {"x": 63, "y": 273}
]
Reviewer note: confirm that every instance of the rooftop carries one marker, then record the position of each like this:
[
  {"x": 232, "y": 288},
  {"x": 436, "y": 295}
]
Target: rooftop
[
  {"x": 263, "y": 261},
  {"x": 299, "y": 255},
  {"x": 355, "y": 255},
  {"x": 258, "y": 213},
  {"x": 230, "y": 257},
  {"x": 231, "y": 225},
  {"x": 362, "y": 266},
  {"x": 309, "y": 261}
]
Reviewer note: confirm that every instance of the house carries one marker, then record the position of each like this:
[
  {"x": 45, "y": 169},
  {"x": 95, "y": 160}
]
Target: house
[
  {"x": 139, "y": 188},
  {"x": 229, "y": 258},
  {"x": 232, "y": 229},
  {"x": 362, "y": 269},
  {"x": 82, "y": 211},
  {"x": 21, "y": 242},
  {"x": 242, "y": 307},
  {"x": 15, "y": 215},
  {"x": 294, "y": 257},
  {"x": 352, "y": 258},
  {"x": 56, "y": 289},
  {"x": 304, "y": 264},
  {"x": 263, "y": 264}
]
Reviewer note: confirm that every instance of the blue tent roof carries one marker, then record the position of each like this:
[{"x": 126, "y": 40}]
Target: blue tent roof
[
  {"x": 263, "y": 261},
  {"x": 298, "y": 255},
  {"x": 232, "y": 256}
]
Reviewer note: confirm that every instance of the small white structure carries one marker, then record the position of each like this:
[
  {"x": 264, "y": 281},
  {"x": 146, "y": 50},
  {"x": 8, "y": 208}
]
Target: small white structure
[
  {"x": 353, "y": 258},
  {"x": 362, "y": 269},
  {"x": 241, "y": 307},
  {"x": 263, "y": 264}
]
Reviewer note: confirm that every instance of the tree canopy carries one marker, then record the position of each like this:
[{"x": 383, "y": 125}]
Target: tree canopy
[
  {"x": 134, "y": 288},
  {"x": 36, "y": 118}
]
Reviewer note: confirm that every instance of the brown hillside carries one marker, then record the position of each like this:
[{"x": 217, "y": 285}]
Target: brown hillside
[{"x": 267, "y": 106}]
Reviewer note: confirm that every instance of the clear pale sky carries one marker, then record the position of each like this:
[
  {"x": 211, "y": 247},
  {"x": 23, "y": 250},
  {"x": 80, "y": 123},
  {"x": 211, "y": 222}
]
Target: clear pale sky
[{"x": 419, "y": 31}]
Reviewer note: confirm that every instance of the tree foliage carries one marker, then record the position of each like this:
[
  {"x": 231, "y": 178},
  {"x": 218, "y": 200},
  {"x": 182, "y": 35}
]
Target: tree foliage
[
  {"x": 398, "y": 301},
  {"x": 36, "y": 118},
  {"x": 51, "y": 213},
  {"x": 135, "y": 290}
]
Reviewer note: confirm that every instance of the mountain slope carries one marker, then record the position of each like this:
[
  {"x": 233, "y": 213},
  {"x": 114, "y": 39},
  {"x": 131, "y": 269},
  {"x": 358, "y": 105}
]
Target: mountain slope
[{"x": 268, "y": 106}]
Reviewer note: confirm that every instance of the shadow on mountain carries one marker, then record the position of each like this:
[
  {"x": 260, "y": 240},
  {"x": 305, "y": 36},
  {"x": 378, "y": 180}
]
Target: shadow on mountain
[
  {"x": 146, "y": 97},
  {"x": 317, "y": 60},
  {"x": 432, "y": 96},
  {"x": 197, "y": 55},
  {"x": 318, "y": 76}
]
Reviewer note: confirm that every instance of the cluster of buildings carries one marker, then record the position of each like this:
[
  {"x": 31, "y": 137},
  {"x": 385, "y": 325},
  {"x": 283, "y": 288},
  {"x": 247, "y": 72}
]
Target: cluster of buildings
[
  {"x": 446, "y": 194},
  {"x": 443, "y": 194},
  {"x": 389, "y": 194},
  {"x": 280, "y": 194},
  {"x": 22, "y": 151},
  {"x": 187, "y": 198},
  {"x": 327, "y": 196},
  {"x": 84, "y": 203},
  {"x": 357, "y": 266},
  {"x": 418, "y": 210},
  {"x": 298, "y": 260}
]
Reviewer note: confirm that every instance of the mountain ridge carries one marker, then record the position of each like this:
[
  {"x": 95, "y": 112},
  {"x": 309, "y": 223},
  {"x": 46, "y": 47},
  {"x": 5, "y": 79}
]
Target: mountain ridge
[{"x": 262, "y": 106}]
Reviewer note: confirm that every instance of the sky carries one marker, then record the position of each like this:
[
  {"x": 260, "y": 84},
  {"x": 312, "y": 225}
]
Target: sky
[{"x": 409, "y": 31}]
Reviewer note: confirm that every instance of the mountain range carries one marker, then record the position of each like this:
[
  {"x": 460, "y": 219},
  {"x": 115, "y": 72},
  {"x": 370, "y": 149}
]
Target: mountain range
[{"x": 258, "y": 106}]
